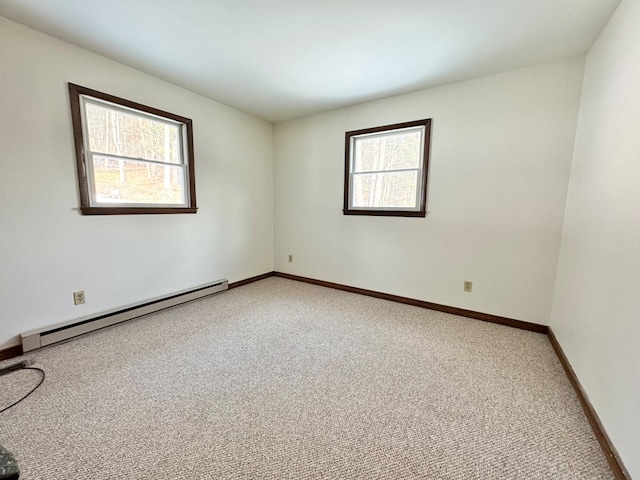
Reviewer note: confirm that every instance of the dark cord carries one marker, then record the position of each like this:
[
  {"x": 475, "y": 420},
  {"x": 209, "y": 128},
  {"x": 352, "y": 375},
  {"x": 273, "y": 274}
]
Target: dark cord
[{"x": 33, "y": 390}]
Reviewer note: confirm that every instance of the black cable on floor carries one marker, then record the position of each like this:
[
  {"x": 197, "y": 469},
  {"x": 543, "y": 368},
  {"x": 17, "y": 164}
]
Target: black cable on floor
[{"x": 33, "y": 390}]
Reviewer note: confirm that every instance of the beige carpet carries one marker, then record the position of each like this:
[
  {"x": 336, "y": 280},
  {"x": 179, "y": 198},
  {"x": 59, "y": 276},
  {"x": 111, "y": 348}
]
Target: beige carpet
[{"x": 284, "y": 380}]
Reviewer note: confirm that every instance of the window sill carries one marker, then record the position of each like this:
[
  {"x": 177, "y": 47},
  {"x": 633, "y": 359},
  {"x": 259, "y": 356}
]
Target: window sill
[
  {"x": 386, "y": 213},
  {"x": 135, "y": 210}
]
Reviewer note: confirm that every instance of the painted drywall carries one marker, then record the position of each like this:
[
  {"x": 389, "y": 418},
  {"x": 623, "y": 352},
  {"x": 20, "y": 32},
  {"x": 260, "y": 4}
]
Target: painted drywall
[
  {"x": 597, "y": 297},
  {"x": 500, "y": 160},
  {"x": 49, "y": 250}
]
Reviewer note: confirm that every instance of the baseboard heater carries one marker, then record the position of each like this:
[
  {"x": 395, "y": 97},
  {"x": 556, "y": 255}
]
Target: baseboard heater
[{"x": 42, "y": 337}]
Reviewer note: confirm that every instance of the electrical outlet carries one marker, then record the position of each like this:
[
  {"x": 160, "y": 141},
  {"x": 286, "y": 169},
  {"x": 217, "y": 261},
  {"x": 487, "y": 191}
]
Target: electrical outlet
[
  {"x": 468, "y": 286},
  {"x": 290, "y": 258},
  {"x": 78, "y": 297}
]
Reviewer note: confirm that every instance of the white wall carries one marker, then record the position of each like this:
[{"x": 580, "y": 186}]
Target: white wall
[
  {"x": 48, "y": 250},
  {"x": 596, "y": 309},
  {"x": 500, "y": 160}
]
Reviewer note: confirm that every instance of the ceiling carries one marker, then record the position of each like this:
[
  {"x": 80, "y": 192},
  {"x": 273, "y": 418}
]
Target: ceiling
[{"x": 280, "y": 59}]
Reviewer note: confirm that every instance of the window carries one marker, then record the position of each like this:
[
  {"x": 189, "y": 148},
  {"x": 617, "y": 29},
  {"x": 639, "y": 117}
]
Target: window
[
  {"x": 131, "y": 158},
  {"x": 386, "y": 170}
]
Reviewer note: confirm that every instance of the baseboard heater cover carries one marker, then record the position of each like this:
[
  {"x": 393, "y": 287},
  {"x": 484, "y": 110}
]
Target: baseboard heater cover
[{"x": 42, "y": 337}]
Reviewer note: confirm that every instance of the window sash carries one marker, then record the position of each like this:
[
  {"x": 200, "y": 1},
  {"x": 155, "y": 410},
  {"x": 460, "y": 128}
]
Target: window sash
[
  {"x": 416, "y": 205},
  {"x": 111, "y": 156},
  {"x": 85, "y": 99},
  {"x": 390, "y": 132},
  {"x": 92, "y": 183},
  {"x": 397, "y": 170},
  {"x": 130, "y": 111}
]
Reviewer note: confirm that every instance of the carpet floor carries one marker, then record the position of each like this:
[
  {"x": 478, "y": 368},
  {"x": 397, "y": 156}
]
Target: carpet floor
[{"x": 284, "y": 380}]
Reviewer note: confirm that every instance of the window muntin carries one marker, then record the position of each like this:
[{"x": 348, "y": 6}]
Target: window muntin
[
  {"x": 386, "y": 170},
  {"x": 131, "y": 158}
]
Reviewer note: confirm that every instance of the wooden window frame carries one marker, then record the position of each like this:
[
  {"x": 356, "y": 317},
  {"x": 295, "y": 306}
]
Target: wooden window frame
[
  {"x": 422, "y": 193},
  {"x": 86, "y": 207}
]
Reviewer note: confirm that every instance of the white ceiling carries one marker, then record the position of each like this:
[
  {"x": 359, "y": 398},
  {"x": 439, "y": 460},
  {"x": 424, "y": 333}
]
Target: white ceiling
[{"x": 279, "y": 59}]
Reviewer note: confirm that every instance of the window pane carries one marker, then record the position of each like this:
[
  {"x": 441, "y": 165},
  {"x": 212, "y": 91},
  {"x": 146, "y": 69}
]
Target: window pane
[
  {"x": 119, "y": 133},
  {"x": 387, "y": 152},
  {"x": 123, "y": 181},
  {"x": 386, "y": 190}
]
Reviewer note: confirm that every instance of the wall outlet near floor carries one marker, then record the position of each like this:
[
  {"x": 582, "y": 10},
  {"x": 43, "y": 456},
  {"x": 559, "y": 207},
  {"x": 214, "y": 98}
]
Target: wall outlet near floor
[
  {"x": 78, "y": 297},
  {"x": 290, "y": 258},
  {"x": 468, "y": 286}
]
